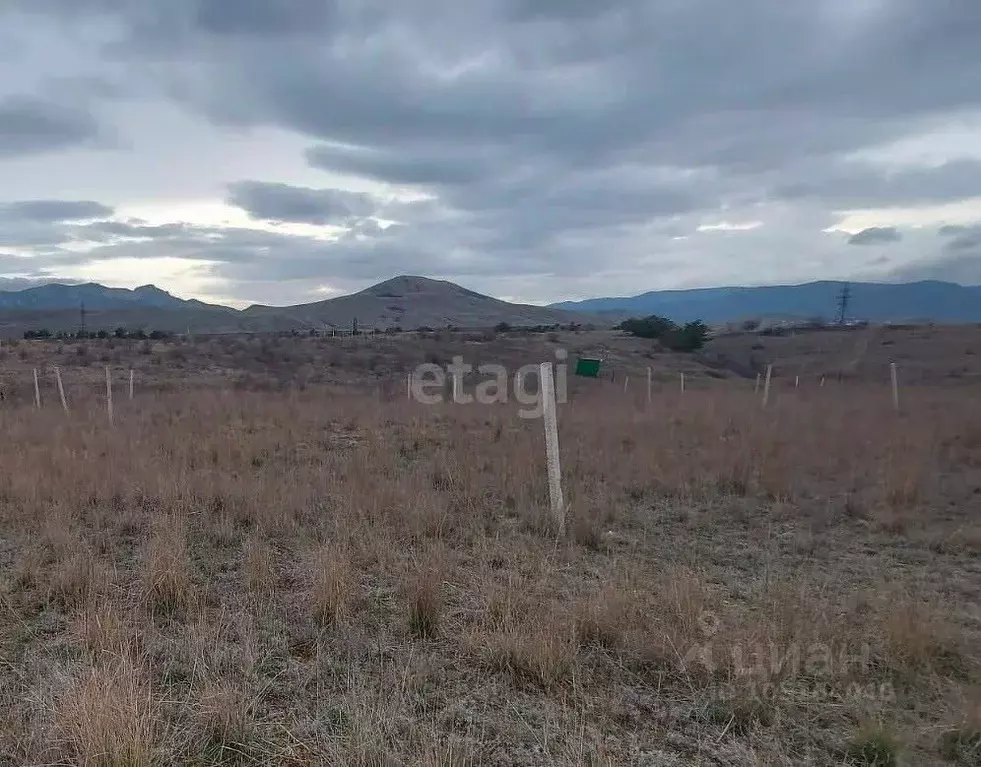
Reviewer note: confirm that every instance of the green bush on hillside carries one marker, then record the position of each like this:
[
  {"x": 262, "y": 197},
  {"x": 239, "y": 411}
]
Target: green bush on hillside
[{"x": 679, "y": 338}]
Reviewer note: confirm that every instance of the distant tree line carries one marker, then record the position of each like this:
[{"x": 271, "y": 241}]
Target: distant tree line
[
  {"x": 503, "y": 327},
  {"x": 121, "y": 333},
  {"x": 678, "y": 338}
]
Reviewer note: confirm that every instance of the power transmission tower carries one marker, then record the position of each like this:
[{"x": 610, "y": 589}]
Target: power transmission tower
[
  {"x": 843, "y": 300},
  {"x": 81, "y": 324}
]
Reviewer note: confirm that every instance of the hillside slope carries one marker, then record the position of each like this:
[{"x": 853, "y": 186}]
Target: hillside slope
[
  {"x": 410, "y": 302},
  {"x": 878, "y": 302},
  {"x": 407, "y": 302},
  {"x": 94, "y": 296}
]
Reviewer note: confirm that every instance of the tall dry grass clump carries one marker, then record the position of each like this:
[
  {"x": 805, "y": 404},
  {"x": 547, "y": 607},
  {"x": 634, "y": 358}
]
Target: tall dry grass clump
[
  {"x": 424, "y": 594},
  {"x": 224, "y": 720},
  {"x": 79, "y": 578},
  {"x": 258, "y": 566},
  {"x": 167, "y": 570},
  {"x": 919, "y": 639},
  {"x": 539, "y": 654},
  {"x": 332, "y": 589},
  {"x": 609, "y": 617},
  {"x": 110, "y": 716},
  {"x": 101, "y": 628}
]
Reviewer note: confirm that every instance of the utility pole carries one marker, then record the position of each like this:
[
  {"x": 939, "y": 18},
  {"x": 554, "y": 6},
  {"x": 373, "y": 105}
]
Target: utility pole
[
  {"x": 843, "y": 300},
  {"x": 81, "y": 324}
]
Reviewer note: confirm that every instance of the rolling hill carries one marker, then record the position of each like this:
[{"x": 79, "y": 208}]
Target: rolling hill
[
  {"x": 411, "y": 302},
  {"x": 941, "y": 302},
  {"x": 406, "y": 301}
]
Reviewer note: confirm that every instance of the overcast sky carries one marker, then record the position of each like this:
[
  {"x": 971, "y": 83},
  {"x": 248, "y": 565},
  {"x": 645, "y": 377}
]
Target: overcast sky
[{"x": 278, "y": 152}]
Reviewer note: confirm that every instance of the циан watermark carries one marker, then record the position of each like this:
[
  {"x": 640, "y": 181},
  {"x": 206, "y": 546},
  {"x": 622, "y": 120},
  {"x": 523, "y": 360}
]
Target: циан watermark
[
  {"x": 428, "y": 384},
  {"x": 764, "y": 669}
]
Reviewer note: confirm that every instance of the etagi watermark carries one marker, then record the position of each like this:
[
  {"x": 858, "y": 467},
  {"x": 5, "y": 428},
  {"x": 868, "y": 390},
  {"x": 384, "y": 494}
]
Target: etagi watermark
[{"x": 428, "y": 384}]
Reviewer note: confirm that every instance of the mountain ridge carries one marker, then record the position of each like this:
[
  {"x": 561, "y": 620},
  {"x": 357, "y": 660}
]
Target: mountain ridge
[
  {"x": 412, "y": 301},
  {"x": 925, "y": 300},
  {"x": 59, "y": 295},
  {"x": 406, "y": 301}
]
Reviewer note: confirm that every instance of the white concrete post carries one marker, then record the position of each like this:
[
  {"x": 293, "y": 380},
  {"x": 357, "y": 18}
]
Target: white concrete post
[{"x": 552, "y": 446}]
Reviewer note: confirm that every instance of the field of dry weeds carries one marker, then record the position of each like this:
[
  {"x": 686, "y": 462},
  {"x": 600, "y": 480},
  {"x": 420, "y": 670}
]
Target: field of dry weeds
[{"x": 325, "y": 576}]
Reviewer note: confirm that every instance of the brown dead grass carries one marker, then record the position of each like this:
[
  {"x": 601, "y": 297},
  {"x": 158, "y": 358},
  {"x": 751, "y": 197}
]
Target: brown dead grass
[
  {"x": 425, "y": 602},
  {"x": 109, "y": 716},
  {"x": 99, "y": 628},
  {"x": 259, "y": 566},
  {"x": 333, "y": 584},
  {"x": 168, "y": 586},
  {"x": 326, "y": 577}
]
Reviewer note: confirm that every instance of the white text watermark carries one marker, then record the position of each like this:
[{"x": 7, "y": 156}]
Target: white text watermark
[{"x": 428, "y": 384}]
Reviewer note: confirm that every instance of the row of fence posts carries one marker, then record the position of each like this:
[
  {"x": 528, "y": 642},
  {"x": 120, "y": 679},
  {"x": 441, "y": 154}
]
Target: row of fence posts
[
  {"x": 64, "y": 400},
  {"x": 549, "y": 417},
  {"x": 893, "y": 380},
  {"x": 893, "y": 376},
  {"x": 626, "y": 382},
  {"x": 552, "y": 436},
  {"x": 550, "y": 420}
]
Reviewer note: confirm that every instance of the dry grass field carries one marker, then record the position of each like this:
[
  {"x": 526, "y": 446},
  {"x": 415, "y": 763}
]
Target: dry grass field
[
  {"x": 927, "y": 355},
  {"x": 264, "y": 563}
]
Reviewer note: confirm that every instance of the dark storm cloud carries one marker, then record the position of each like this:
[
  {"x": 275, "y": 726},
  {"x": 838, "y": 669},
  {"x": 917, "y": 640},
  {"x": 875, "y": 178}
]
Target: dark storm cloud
[
  {"x": 52, "y": 211},
  {"x": 249, "y": 255},
  {"x": 260, "y": 17},
  {"x": 547, "y": 134},
  {"x": 423, "y": 167},
  {"x": 107, "y": 231},
  {"x": 372, "y": 75},
  {"x": 875, "y": 235},
  {"x": 531, "y": 10},
  {"x": 857, "y": 184},
  {"x": 963, "y": 268},
  {"x": 959, "y": 258},
  {"x": 148, "y": 22},
  {"x": 31, "y": 125},
  {"x": 282, "y": 202},
  {"x": 44, "y": 224},
  {"x": 950, "y": 230},
  {"x": 967, "y": 238},
  {"x": 545, "y": 140}
]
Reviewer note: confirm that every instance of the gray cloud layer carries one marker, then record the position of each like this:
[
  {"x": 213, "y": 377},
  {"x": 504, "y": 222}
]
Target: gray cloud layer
[
  {"x": 285, "y": 203},
  {"x": 29, "y": 124},
  {"x": 52, "y": 211},
  {"x": 962, "y": 238},
  {"x": 573, "y": 145},
  {"x": 875, "y": 235}
]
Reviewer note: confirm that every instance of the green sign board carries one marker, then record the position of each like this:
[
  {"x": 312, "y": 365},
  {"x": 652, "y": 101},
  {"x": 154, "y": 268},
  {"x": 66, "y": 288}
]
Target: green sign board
[{"x": 587, "y": 367}]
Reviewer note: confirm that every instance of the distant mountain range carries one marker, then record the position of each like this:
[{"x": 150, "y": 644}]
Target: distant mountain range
[
  {"x": 411, "y": 302},
  {"x": 942, "y": 302},
  {"x": 406, "y": 301},
  {"x": 92, "y": 296}
]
